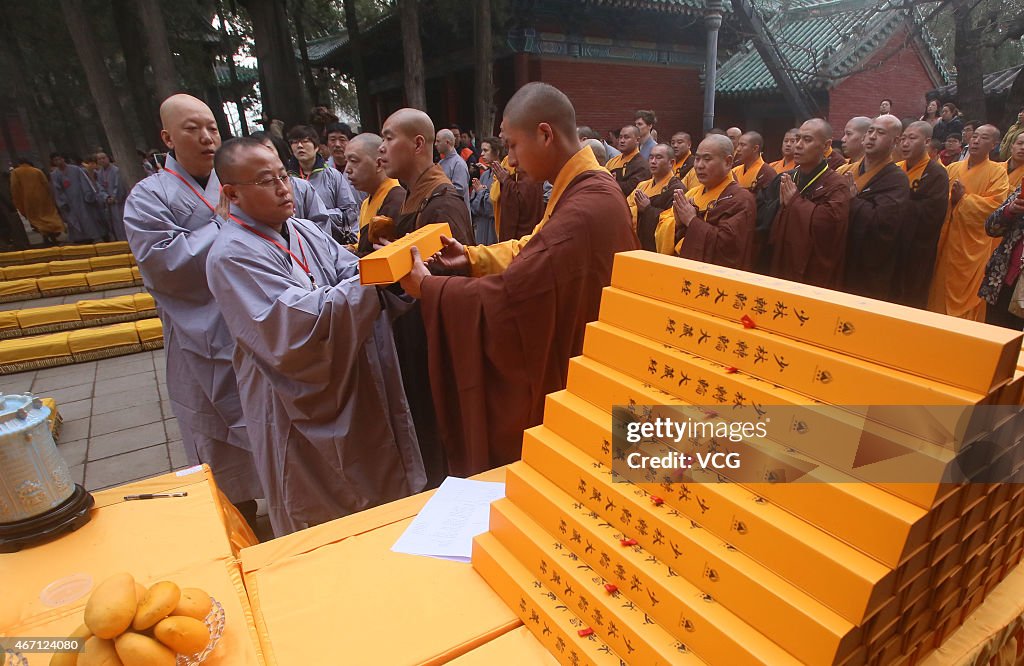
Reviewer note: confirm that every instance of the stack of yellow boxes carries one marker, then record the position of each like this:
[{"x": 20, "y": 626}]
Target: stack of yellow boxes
[{"x": 853, "y": 552}]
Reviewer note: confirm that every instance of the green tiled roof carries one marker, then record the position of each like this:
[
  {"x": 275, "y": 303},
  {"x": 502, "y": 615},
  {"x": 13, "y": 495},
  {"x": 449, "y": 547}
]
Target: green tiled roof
[
  {"x": 244, "y": 74},
  {"x": 671, "y": 6},
  {"x": 820, "y": 41}
]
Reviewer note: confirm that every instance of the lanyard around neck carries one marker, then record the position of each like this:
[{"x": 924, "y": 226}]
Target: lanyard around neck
[
  {"x": 213, "y": 209},
  {"x": 811, "y": 182},
  {"x": 301, "y": 263}
]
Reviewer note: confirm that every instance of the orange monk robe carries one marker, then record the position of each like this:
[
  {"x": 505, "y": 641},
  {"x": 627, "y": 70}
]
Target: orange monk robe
[
  {"x": 756, "y": 177},
  {"x": 1015, "y": 176},
  {"x": 386, "y": 201},
  {"x": 723, "y": 231},
  {"x": 683, "y": 165},
  {"x": 848, "y": 167},
  {"x": 783, "y": 165},
  {"x": 629, "y": 170},
  {"x": 31, "y": 193},
  {"x": 964, "y": 247},
  {"x": 655, "y": 227},
  {"x": 500, "y": 342},
  {"x": 691, "y": 181}
]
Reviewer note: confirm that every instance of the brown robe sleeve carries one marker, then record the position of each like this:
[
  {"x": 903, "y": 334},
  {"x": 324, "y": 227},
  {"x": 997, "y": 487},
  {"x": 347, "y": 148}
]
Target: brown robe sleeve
[
  {"x": 873, "y": 234},
  {"x": 924, "y": 214},
  {"x": 764, "y": 179},
  {"x": 809, "y": 235},
  {"x": 726, "y": 238},
  {"x": 445, "y": 205},
  {"x": 390, "y": 207},
  {"x": 498, "y": 344},
  {"x": 636, "y": 170},
  {"x": 522, "y": 206}
]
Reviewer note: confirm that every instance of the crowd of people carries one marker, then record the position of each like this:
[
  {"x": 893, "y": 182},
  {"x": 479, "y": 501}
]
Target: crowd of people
[{"x": 298, "y": 384}]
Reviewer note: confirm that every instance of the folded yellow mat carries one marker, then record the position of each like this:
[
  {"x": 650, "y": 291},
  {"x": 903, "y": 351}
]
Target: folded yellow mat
[
  {"x": 26, "y": 271},
  {"x": 54, "y": 314},
  {"x": 9, "y": 320},
  {"x": 40, "y": 255},
  {"x": 69, "y": 266},
  {"x": 113, "y": 247},
  {"x": 13, "y": 287},
  {"x": 106, "y": 307},
  {"x": 54, "y": 282},
  {"x": 144, "y": 301},
  {"x": 110, "y": 261},
  {"x": 112, "y": 276},
  {"x": 34, "y": 348},
  {"x": 136, "y": 273},
  {"x": 11, "y": 258},
  {"x": 103, "y": 337},
  {"x": 77, "y": 251},
  {"x": 149, "y": 329}
]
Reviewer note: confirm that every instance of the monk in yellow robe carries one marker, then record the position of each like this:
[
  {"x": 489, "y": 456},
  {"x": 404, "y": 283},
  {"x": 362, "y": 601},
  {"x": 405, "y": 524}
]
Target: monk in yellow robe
[
  {"x": 853, "y": 143},
  {"x": 787, "y": 163},
  {"x": 751, "y": 172},
  {"x": 630, "y": 167},
  {"x": 681, "y": 144},
  {"x": 977, "y": 187},
  {"x": 385, "y": 196},
  {"x": 650, "y": 203},
  {"x": 31, "y": 193},
  {"x": 1015, "y": 165}
]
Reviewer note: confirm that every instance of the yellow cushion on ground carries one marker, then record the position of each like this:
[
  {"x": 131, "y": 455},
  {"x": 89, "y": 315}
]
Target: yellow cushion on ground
[
  {"x": 110, "y": 261},
  {"x": 15, "y": 287},
  {"x": 149, "y": 329},
  {"x": 144, "y": 301},
  {"x": 62, "y": 281},
  {"x": 11, "y": 258},
  {"x": 77, "y": 251},
  {"x": 114, "y": 247},
  {"x": 54, "y": 314},
  {"x": 9, "y": 320},
  {"x": 41, "y": 255},
  {"x": 70, "y": 266},
  {"x": 106, "y": 307},
  {"x": 26, "y": 271},
  {"x": 136, "y": 273},
  {"x": 34, "y": 348},
  {"x": 54, "y": 414},
  {"x": 112, "y": 276},
  {"x": 103, "y": 337}
]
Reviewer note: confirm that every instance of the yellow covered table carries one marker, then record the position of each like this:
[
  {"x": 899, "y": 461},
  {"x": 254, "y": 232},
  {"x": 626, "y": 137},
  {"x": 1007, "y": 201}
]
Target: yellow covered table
[
  {"x": 190, "y": 540},
  {"x": 26, "y": 271},
  {"x": 38, "y": 350},
  {"x": 118, "y": 276},
  {"x": 89, "y": 344},
  {"x": 102, "y": 308},
  {"x": 18, "y": 290},
  {"x": 113, "y": 247},
  {"x": 47, "y": 316},
  {"x": 110, "y": 261},
  {"x": 66, "y": 266},
  {"x": 340, "y": 582},
  {"x": 151, "y": 333},
  {"x": 12, "y": 258},
  {"x": 77, "y": 251},
  {"x": 40, "y": 254},
  {"x": 63, "y": 283}
]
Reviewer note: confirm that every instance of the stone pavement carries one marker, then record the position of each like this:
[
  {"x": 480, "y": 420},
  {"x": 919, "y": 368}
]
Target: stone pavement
[{"x": 118, "y": 425}]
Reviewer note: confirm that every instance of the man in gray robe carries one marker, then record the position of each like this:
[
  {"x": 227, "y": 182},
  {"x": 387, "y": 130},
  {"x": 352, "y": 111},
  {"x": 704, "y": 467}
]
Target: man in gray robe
[
  {"x": 308, "y": 205},
  {"x": 316, "y": 363},
  {"x": 170, "y": 223},
  {"x": 108, "y": 177},
  {"x": 452, "y": 163},
  {"x": 78, "y": 202},
  {"x": 337, "y": 195}
]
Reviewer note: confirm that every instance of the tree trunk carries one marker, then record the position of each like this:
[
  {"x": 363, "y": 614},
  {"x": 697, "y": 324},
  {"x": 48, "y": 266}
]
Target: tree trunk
[
  {"x": 5, "y": 129},
  {"x": 26, "y": 97},
  {"x": 165, "y": 75},
  {"x": 412, "y": 51},
  {"x": 103, "y": 93},
  {"x": 282, "y": 92},
  {"x": 367, "y": 117},
  {"x": 484, "y": 84},
  {"x": 300, "y": 37},
  {"x": 969, "y": 58},
  {"x": 236, "y": 89},
  {"x": 129, "y": 32}
]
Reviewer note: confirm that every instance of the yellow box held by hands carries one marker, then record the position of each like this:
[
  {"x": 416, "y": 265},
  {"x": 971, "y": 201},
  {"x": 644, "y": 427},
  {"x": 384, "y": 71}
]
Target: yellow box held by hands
[{"x": 393, "y": 262}]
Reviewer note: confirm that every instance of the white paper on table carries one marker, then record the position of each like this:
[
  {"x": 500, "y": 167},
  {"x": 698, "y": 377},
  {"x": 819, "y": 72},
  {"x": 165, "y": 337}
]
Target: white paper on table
[{"x": 445, "y": 527}]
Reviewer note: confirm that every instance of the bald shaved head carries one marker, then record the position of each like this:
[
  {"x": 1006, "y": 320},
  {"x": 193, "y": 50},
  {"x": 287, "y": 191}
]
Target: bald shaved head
[
  {"x": 853, "y": 137},
  {"x": 716, "y": 144},
  {"x": 983, "y": 141},
  {"x": 713, "y": 160},
  {"x": 859, "y": 123},
  {"x": 445, "y": 142},
  {"x": 537, "y": 103},
  {"x": 233, "y": 154},
  {"x": 748, "y": 148},
  {"x": 922, "y": 127},
  {"x": 914, "y": 141},
  {"x": 254, "y": 179},
  {"x": 190, "y": 130},
  {"x": 812, "y": 139},
  {"x": 361, "y": 164},
  {"x": 368, "y": 143},
  {"x": 600, "y": 153},
  {"x": 881, "y": 138},
  {"x": 819, "y": 127},
  {"x": 681, "y": 144},
  {"x": 539, "y": 128},
  {"x": 407, "y": 148}
]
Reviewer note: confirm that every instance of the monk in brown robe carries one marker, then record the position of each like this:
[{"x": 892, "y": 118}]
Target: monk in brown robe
[
  {"x": 751, "y": 171},
  {"x": 853, "y": 142},
  {"x": 715, "y": 220},
  {"x": 650, "y": 203},
  {"x": 384, "y": 196},
  {"x": 630, "y": 167},
  {"x": 922, "y": 217},
  {"x": 407, "y": 155},
  {"x": 683, "y": 159},
  {"x": 880, "y": 191},
  {"x": 808, "y": 234},
  {"x": 787, "y": 163},
  {"x": 501, "y": 334},
  {"x": 519, "y": 201}
]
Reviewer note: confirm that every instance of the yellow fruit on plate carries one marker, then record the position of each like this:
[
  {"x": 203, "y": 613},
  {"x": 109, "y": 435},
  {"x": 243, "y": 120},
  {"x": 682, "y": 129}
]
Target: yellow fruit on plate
[
  {"x": 184, "y": 635},
  {"x": 71, "y": 658},
  {"x": 99, "y": 652},
  {"x": 138, "y": 650},
  {"x": 112, "y": 606},
  {"x": 194, "y": 603},
  {"x": 158, "y": 603}
]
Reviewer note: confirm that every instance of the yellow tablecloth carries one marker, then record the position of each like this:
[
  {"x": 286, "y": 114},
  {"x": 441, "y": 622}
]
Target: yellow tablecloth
[
  {"x": 66, "y": 266},
  {"x": 19, "y": 287},
  {"x": 149, "y": 330},
  {"x": 111, "y": 276},
  {"x": 26, "y": 271},
  {"x": 62, "y": 281},
  {"x": 40, "y": 254},
  {"x": 52, "y": 314},
  {"x": 77, "y": 251},
  {"x": 190, "y": 540},
  {"x": 106, "y": 307},
  {"x": 34, "y": 348},
  {"x": 340, "y": 582},
  {"x": 103, "y": 337},
  {"x": 113, "y": 247}
]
